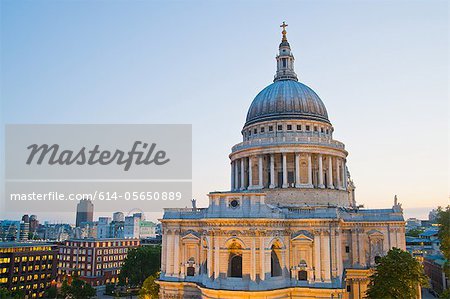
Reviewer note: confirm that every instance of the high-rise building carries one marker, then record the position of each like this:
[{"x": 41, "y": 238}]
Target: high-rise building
[{"x": 85, "y": 212}]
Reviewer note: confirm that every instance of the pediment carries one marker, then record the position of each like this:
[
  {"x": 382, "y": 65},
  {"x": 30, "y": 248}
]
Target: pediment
[{"x": 302, "y": 235}]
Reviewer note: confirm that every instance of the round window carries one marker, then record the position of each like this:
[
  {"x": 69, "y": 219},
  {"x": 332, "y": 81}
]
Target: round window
[{"x": 234, "y": 203}]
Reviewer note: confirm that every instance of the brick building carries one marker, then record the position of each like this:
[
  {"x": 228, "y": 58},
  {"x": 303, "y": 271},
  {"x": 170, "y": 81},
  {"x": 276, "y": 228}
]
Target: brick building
[
  {"x": 96, "y": 261},
  {"x": 30, "y": 267}
]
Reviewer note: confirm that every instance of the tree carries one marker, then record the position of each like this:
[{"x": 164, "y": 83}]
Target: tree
[
  {"x": 51, "y": 292},
  {"x": 139, "y": 264},
  {"x": 150, "y": 288},
  {"x": 398, "y": 275},
  {"x": 6, "y": 294},
  {"x": 78, "y": 289},
  {"x": 443, "y": 219}
]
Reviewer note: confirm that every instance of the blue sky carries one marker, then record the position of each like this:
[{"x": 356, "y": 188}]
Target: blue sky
[{"x": 381, "y": 68}]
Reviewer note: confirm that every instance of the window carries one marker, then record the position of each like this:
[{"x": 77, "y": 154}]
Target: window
[
  {"x": 255, "y": 131},
  {"x": 302, "y": 275},
  {"x": 284, "y": 62},
  {"x": 249, "y": 132},
  {"x": 327, "y": 131},
  {"x": 377, "y": 259},
  {"x": 289, "y": 127},
  {"x": 299, "y": 127},
  {"x": 347, "y": 249},
  {"x": 315, "y": 129},
  {"x": 270, "y": 128},
  {"x": 235, "y": 265},
  {"x": 262, "y": 129},
  {"x": 321, "y": 130},
  {"x": 280, "y": 127},
  {"x": 190, "y": 271},
  {"x": 349, "y": 288},
  {"x": 307, "y": 128},
  {"x": 275, "y": 267}
]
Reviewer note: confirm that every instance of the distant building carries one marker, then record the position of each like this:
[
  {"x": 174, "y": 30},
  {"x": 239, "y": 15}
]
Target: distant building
[
  {"x": 434, "y": 269},
  {"x": 103, "y": 227},
  {"x": 132, "y": 227},
  {"x": 147, "y": 229},
  {"x": 85, "y": 212},
  {"x": 96, "y": 261},
  {"x": 413, "y": 223},
  {"x": 30, "y": 267},
  {"x": 13, "y": 230},
  {"x": 118, "y": 216}
]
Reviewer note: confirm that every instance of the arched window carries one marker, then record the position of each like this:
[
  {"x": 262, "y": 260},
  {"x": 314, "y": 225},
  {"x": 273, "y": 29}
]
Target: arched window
[
  {"x": 235, "y": 265},
  {"x": 235, "y": 260},
  {"x": 275, "y": 267}
]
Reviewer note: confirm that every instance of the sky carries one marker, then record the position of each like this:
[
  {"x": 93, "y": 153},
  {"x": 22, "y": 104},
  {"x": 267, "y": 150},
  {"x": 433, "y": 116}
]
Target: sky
[{"x": 380, "y": 67}]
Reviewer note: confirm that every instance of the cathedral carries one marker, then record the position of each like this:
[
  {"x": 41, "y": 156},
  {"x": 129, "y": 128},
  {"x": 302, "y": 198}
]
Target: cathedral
[{"x": 289, "y": 227}]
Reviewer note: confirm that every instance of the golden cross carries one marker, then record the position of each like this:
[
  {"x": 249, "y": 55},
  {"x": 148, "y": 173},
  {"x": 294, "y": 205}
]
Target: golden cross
[{"x": 284, "y": 25}]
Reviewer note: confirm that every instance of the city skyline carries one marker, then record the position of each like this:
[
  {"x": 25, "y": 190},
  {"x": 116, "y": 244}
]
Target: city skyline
[{"x": 384, "y": 83}]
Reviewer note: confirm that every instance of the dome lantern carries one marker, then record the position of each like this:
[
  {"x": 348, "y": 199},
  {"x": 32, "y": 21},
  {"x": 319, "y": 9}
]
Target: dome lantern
[{"x": 285, "y": 59}]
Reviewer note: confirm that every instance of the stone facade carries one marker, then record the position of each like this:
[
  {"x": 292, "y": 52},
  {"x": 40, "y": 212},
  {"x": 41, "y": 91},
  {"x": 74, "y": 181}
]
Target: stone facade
[{"x": 289, "y": 227}]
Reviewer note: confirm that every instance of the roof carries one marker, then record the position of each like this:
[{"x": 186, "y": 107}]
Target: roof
[
  {"x": 286, "y": 99},
  {"x": 24, "y": 244}
]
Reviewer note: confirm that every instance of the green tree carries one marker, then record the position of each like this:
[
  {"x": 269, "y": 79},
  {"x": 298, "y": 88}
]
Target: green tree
[
  {"x": 150, "y": 288},
  {"x": 78, "y": 289},
  {"x": 397, "y": 276},
  {"x": 51, "y": 292},
  {"x": 443, "y": 219},
  {"x": 139, "y": 264}
]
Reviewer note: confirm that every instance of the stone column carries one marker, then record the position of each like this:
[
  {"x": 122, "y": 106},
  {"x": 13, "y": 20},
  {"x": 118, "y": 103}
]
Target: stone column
[
  {"x": 344, "y": 170},
  {"x": 242, "y": 174},
  {"x": 216, "y": 256},
  {"x": 297, "y": 170},
  {"x": 176, "y": 255},
  {"x": 164, "y": 252},
  {"x": 262, "y": 255},
  {"x": 253, "y": 260},
  {"x": 272, "y": 171},
  {"x": 236, "y": 175},
  {"x": 250, "y": 173},
  {"x": 320, "y": 185},
  {"x": 260, "y": 172},
  {"x": 169, "y": 249},
  {"x": 338, "y": 174},
  {"x": 330, "y": 172},
  {"x": 362, "y": 253},
  {"x": 326, "y": 261},
  {"x": 310, "y": 184},
  {"x": 285, "y": 178},
  {"x": 317, "y": 266},
  {"x": 339, "y": 257},
  {"x": 209, "y": 261},
  {"x": 355, "y": 248},
  {"x": 232, "y": 175}
]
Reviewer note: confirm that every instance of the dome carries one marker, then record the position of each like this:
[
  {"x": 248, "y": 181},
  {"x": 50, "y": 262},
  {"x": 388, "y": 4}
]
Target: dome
[{"x": 286, "y": 99}]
